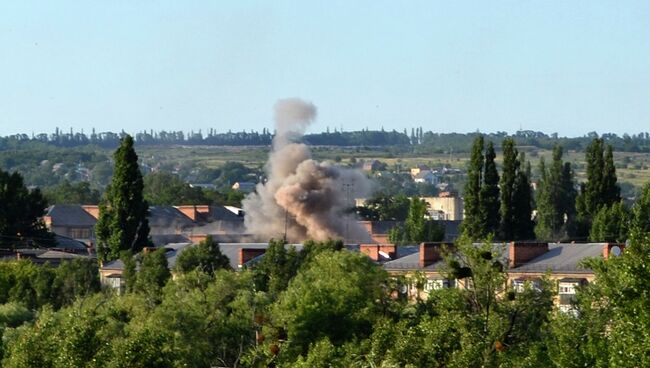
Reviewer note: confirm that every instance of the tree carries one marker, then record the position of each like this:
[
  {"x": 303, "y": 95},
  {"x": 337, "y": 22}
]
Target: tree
[
  {"x": 153, "y": 274},
  {"x": 205, "y": 256},
  {"x": 385, "y": 207},
  {"x": 524, "y": 227},
  {"x": 417, "y": 227},
  {"x": 555, "y": 198},
  {"x": 161, "y": 188},
  {"x": 507, "y": 186},
  {"x": 21, "y": 210},
  {"x": 277, "y": 268},
  {"x": 78, "y": 193},
  {"x": 122, "y": 223},
  {"x": 641, "y": 211},
  {"x": 601, "y": 188},
  {"x": 611, "y": 224},
  {"x": 339, "y": 307},
  {"x": 472, "y": 224},
  {"x": 489, "y": 194}
]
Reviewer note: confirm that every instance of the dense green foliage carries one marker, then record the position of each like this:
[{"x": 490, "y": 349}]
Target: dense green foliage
[
  {"x": 472, "y": 223},
  {"x": 328, "y": 308},
  {"x": 161, "y": 188},
  {"x": 556, "y": 196},
  {"x": 384, "y": 207},
  {"x": 20, "y": 213},
  {"x": 516, "y": 196},
  {"x": 600, "y": 189},
  {"x": 418, "y": 227},
  {"x": 72, "y": 193},
  {"x": 494, "y": 206},
  {"x": 205, "y": 256},
  {"x": 489, "y": 195},
  {"x": 33, "y": 286},
  {"x": 123, "y": 223},
  {"x": 611, "y": 224}
]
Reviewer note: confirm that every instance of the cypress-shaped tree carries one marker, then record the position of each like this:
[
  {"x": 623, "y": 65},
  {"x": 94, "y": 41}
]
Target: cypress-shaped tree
[
  {"x": 641, "y": 212},
  {"x": 507, "y": 186},
  {"x": 122, "y": 223},
  {"x": 523, "y": 225},
  {"x": 569, "y": 199},
  {"x": 472, "y": 223},
  {"x": 610, "y": 190},
  {"x": 600, "y": 189},
  {"x": 489, "y": 195},
  {"x": 550, "y": 199}
]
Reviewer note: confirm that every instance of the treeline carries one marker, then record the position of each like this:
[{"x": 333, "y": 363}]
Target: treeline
[
  {"x": 421, "y": 141},
  {"x": 500, "y": 205}
]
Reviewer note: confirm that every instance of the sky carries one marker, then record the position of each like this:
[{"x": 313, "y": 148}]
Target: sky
[{"x": 569, "y": 67}]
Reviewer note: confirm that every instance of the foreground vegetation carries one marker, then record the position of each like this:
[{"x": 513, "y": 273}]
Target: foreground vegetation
[{"x": 326, "y": 307}]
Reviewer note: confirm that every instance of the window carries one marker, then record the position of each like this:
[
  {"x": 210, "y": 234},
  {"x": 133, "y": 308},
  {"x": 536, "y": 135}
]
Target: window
[{"x": 80, "y": 233}]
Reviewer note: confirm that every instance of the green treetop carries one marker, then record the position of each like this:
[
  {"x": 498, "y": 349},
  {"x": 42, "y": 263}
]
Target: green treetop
[
  {"x": 489, "y": 194},
  {"x": 472, "y": 224},
  {"x": 555, "y": 198},
  {"x": 601, "y": 188},
  {"x": 507, "y": 184},
  {"x": 122, "y": 223}
]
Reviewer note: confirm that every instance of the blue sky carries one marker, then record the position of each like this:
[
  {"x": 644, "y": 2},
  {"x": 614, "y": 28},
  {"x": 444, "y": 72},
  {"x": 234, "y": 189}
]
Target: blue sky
[{"x": 569, "y": 66}]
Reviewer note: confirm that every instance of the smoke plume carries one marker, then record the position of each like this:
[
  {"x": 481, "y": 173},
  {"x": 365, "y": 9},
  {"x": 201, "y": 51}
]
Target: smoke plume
[{"x": 302, "y": 197}]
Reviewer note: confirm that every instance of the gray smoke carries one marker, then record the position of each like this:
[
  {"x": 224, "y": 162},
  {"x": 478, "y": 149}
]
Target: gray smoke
[{"x": 306, "y": 197}]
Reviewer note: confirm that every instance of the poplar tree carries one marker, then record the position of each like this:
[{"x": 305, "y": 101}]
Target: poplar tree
[
  {"x": 641, "y": 212},
  {"x": 522, "y": 203},
  {"x": 507, "y": 184},
  {"x": 601, "y": 188},
  {"x": 472, "y": 226},
  {"x": 122, "y": 224},
  {"x": 489, "y": 197},
  {"x": 550, "y": 198}
]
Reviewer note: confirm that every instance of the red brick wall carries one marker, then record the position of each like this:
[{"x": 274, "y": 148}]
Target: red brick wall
[
  {"x": 430, "y": 253},
  {"x": 608, "y": 247},
  {"x": 520, "y": 253},
  {"x": 246, "y": 254},
  {"x": 372, "y": 250}
]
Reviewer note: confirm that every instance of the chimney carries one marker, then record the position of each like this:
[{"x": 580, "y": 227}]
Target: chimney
[
  {"x": 374, "y": 251},
  {"x": 520, "y": 252},
  {"x": 430, "y": 253},
  {"x": 197, "y": 238},
  {"x": 613, "y": 249},
  {"x": 246, "y": 254},
  {"x": 93, "y": 210}
]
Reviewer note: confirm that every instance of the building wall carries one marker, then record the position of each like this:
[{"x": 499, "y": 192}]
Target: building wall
[{"x": 452, "y": 207}]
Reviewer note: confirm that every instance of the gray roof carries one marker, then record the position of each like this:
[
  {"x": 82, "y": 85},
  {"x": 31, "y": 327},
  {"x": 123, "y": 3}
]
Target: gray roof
[
  {"x": 563, "y": 258},
  {"x": 64, "y": 242},
  {"x": 559, "y": 258},
  {"x": 71, "y": 215},
  {"x": 167, "y": 219}
]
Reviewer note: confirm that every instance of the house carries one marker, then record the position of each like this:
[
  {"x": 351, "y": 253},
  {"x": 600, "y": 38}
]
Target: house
[
  {"x": 445, "y": 207},
  {"x": 524, "y": 262},
  {"x": 379, "y": 230},
  {"x": 168, "y": 224},
  {"x": 71, "y": 221},
  {"x": 51, "y": 256},
  {"x": 418, "y": 169},
  {"x": 239, "y": 255},
  {"x": 372, "y": 165},
  {"x": 427, "y": 177},
  {"x": 244, "y": 186}
]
